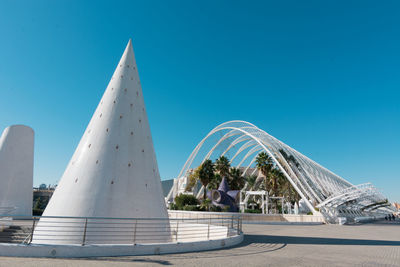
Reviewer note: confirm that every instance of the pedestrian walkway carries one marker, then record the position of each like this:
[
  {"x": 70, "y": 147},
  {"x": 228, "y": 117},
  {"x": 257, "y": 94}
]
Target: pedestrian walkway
[{"x": 374, "y": 244}]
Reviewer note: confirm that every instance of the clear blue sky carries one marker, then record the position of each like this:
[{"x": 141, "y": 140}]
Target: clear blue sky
[{"x": 322, "y": 77}]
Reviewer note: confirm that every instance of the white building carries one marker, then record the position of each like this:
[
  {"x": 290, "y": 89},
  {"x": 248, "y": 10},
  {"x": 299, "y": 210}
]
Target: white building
[
  {"x": 113, "y": 172},
  {"x": 16, "y": 170}
]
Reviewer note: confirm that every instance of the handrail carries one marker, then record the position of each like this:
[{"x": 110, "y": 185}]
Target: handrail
[{"x": 103, "y": 230}]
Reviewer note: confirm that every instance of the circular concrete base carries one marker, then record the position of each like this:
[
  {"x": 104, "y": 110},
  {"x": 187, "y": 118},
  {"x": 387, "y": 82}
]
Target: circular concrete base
[{"x": 77, "y": 251}]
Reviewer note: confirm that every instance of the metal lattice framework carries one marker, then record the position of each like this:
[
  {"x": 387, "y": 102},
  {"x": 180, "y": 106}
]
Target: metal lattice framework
[{"x": 318, "y": 186}]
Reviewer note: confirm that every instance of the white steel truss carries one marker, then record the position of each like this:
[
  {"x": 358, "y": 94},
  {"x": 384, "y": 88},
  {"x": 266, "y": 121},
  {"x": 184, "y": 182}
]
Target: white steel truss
[{"x": 320, "y": 188}]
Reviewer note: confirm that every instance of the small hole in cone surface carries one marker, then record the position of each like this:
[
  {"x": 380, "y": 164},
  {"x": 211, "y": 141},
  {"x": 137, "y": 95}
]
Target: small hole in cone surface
[{"x": 117, "y": 147}]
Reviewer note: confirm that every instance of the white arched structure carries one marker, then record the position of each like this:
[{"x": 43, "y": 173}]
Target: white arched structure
[{"x": 320, "y": 188}]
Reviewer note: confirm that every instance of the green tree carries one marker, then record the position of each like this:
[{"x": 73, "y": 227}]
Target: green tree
[
  {"x": 192, "y": 179},
  {"x": 264, "y": 164},
  {"x": 39, "y": 204},
  {"x": 277, "y": 181},
  {"x": 222, "y": 166},
  {"x": 236, "y": 181},
  {"x": 206, "y": 204},
  {"x": 214, "y": 183},
  {"x": 39, "y": 207},
  {"x": 206, "y": 174},
  {"x": 251, "y": 181}
]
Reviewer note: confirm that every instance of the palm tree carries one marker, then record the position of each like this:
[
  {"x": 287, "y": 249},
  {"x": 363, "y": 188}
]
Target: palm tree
[
  {"x": 265, "y": 165},
  {"x": 222, "y": 166},
  {"x": 206, "y": 174},
  {"x": 214, "y": 183},
  {"x": 277, "y": 181},
  {"x": 237, "y": 181},
  {"x": 288, "y": 191},
  {"x": 251, "y": 181}
]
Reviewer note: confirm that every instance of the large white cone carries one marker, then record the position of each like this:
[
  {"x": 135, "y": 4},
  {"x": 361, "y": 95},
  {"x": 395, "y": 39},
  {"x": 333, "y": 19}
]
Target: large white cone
[
  {"x": 113, "y": 172},
  {"x": 16, "y": 170}
]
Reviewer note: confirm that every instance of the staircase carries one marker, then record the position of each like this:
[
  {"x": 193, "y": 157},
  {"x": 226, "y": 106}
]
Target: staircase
[{"x": 15, "y": 234}]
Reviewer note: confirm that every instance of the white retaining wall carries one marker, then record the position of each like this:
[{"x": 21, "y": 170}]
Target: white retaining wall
[
  {"x": 77, "y": 251},
  {"x": 249, "y": 217}
]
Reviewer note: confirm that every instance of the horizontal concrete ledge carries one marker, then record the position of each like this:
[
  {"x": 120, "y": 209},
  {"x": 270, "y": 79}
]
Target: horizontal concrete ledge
[
  {"x": 282, "y": 223},
  {"x": 77, "y": 251},
  {"x": 251, "y": 217}
]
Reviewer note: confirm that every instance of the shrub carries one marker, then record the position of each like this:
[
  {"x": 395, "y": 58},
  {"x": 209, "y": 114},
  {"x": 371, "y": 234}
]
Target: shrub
[
  {"x": 205, "y": 205},
  {"x": 215, "y": 208},
  {"x": 185, "y": 200},
  {"x": 191, "y": 208},
  {"x": 226, "y": 209},
  {"x": 173, "y": 206},
  {"x": 37, "y": 212},
  {"x": 252, "y": 211}
]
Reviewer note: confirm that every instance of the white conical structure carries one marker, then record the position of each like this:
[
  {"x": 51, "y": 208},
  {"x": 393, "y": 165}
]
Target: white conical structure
[
  {"x": 113, "y": 172},
  {"x": 16, "y": 170}
]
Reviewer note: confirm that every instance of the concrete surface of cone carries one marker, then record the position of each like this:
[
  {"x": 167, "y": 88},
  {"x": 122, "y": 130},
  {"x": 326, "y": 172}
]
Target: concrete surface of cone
[
  {"x": 113, "y": 172},
  {"x": 16, "y": 170}
]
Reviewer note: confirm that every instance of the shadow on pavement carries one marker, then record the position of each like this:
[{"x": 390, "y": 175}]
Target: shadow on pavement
[
  {"x": 132, "y": 259},
  {"x": 251, "y": 245},
  {"x": 315, "y": 241},
  {"x": 161, "y": 262},
  {"x": 247, "y": 247}
]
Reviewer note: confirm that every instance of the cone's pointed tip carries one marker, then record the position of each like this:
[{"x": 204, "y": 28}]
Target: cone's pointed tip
[
  {"x": 130, "y": 43},
  {"x": 128, "y": 49},
  {"x": 129, "y": 46}
]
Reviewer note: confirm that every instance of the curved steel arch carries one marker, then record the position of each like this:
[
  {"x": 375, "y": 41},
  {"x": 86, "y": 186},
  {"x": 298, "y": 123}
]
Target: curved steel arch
[{"x": 314, "y": 183}]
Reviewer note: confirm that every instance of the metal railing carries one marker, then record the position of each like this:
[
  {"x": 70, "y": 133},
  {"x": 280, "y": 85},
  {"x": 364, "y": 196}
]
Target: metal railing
[{"x": 98, "y": 230}]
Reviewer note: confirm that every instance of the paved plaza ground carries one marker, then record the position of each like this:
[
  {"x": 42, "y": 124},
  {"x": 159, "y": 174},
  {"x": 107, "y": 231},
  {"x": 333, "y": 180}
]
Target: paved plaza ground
[{"x": 376, "y": 244}]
